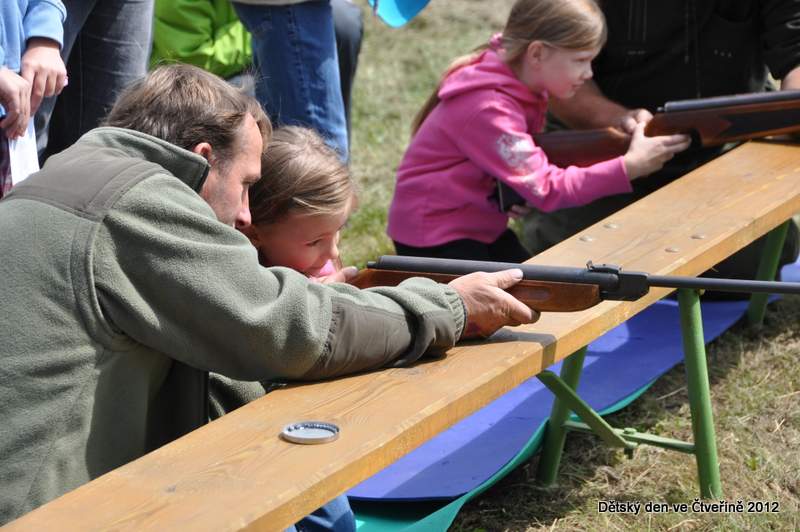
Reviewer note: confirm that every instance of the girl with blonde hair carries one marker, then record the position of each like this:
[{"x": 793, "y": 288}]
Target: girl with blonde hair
[{"x": 475, "y": 130}]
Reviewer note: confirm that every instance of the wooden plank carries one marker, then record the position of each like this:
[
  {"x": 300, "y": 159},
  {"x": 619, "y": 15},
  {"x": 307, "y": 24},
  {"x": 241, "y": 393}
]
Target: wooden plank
[{"x": 236, "y": 473}]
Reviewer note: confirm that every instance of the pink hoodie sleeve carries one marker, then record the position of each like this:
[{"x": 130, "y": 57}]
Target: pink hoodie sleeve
[{"x": 496, "y": 139}]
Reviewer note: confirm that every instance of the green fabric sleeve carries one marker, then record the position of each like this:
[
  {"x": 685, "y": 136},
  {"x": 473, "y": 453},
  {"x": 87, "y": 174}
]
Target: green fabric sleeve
[
  {"x": 171, "y": 277},
  {"x": 207, "y": 34}
]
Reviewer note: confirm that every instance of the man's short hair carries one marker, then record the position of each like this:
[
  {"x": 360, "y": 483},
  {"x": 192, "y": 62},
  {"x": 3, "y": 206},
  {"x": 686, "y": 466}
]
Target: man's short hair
[{"x": 185, "y": 105}]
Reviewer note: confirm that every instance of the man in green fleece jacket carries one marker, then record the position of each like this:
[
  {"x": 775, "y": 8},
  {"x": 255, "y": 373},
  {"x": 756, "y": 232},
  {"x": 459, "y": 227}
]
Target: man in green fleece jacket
[{"x": 125, "y": 282}]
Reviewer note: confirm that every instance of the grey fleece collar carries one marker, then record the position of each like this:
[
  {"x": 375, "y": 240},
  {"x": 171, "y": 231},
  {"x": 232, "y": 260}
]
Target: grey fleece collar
[{"x": 189, "y": 167}]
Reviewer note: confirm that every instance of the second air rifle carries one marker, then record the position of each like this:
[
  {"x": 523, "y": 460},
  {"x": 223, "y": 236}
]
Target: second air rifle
[
  {"x": 557, "y": 288},
  {"x": 709, "y": 121}
]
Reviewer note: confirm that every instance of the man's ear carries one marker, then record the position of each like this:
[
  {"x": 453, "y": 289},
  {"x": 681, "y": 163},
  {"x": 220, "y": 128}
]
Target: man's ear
[{"x": 204, "y": 150}]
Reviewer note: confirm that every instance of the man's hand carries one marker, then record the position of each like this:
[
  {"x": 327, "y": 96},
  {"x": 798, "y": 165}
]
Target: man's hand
[
  {"x": 44, "y": 69},
  {"x": 488, "y": 305},
  {"x": 15, "y": 96},
  {"x": 630, "y": 119},
  {"x": 589, "y": 108}
]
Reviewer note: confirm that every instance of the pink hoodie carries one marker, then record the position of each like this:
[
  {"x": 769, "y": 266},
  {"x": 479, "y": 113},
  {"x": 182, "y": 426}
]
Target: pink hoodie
[{"x": 478, "y": 133}]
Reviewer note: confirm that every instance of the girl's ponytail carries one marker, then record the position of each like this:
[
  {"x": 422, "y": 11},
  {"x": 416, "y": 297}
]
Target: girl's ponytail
[{"x": 433, "y": 99}]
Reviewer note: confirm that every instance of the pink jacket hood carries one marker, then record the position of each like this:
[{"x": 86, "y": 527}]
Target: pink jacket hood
[{"x": 489, "y": 72}]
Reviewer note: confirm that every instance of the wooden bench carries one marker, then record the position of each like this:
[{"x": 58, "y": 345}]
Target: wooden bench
[{"x": 237, "y": 473}]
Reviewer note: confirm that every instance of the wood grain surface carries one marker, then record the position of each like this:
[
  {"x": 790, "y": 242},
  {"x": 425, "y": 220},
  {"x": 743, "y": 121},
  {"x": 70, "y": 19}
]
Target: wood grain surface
[{"x": 237, "y": 473}]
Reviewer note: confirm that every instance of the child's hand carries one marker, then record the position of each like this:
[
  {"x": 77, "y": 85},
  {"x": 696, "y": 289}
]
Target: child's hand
[
  {"x": 15, "y": 96},
  {"x": 648, "y": 154},
  {"x": 340, "y": 276},
  {"x": 519, "y": 211},
  {"x": 44, "y": 69},
  {"x": 629, "y": 120}
]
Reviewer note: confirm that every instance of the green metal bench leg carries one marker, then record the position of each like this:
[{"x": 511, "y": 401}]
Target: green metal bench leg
[
  {"x": 592, "y": 421},
  {"x": 767, "y": 268},
  {"x": 699, "y": 394},
  {"x": 556, "y": 434}
]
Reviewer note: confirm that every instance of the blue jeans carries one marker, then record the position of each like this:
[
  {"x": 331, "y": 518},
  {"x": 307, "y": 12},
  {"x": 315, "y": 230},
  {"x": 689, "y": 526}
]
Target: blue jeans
[
  {"x": 106, "y": 47},
  {"x": 335, "y": 516},
  {"x": 348, "y": 25},
  {"x": 297, "y": 67}
]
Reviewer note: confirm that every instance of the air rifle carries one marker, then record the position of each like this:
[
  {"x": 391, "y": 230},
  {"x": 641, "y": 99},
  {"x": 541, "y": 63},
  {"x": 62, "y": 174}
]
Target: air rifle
[
  {"x": 709, "y": 121},
  {"x": 556, "y": 288}
]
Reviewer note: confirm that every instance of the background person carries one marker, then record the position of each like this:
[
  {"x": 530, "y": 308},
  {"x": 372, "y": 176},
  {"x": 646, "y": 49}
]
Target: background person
[
  {"x": 297, "y": 62},
  {"x": 31, "y": 34},
  {"x": 106, "y": 47},
  {"x": 209, "y": 34},
  {"x": 663, "y": 51}
]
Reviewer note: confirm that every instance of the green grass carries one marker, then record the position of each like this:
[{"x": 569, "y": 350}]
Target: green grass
[
  {"x": 397, "y": 71},
  {"x": 755, "y": 376},
  {"x": 755, "y": 389}
]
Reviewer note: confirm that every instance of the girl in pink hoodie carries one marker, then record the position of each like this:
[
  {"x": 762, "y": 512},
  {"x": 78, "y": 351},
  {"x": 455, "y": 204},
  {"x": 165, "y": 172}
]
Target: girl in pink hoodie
[{"x": 475, "y": 130}]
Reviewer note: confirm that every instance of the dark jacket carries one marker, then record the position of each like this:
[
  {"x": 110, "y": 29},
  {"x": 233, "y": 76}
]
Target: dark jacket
[{"x": 682, "y": 49}]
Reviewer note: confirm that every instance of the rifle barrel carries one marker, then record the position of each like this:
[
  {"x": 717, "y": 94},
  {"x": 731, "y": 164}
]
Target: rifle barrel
[
  {"x": 558, "y": 274},
  {"x": 612, "y": 284},
  {"x": 724, "y": 285},
  {"x": 733, "y": 100}
]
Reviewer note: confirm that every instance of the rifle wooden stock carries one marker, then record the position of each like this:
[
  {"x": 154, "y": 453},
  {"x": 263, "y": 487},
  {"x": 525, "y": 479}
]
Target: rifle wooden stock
[
  {"x": 710, "y": 121},
  {"x": 542, "y": 296},
  {"x": 583, "y": 147}
]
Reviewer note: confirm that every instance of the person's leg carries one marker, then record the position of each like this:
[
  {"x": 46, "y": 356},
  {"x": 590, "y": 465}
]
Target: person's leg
[
  {"x": 336, "y": 516},
  {"x": 297, "y": 81},
  {"x": 110, "y": 52},
  {"x": 348, "y": 26},
  {"x": 77, "y": 13},
  {"x": 5, "y": 165},
  {"x": 507, "y": 248}
]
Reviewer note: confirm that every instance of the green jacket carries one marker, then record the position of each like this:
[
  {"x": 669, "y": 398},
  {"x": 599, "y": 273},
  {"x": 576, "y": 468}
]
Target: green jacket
[
  {"x": 204, "y": 33},
  {"x": 121, "y": 290}
]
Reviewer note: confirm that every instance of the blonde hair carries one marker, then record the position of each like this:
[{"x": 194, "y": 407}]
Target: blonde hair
[
  {"x": 185, "y": 105},
  {"x": 300, "y": 174},
  {"x": 565, "y": 24}
]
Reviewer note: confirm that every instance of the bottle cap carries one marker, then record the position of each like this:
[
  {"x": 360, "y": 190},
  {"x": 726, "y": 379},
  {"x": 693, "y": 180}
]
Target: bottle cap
[{"x": 310, "y": 432}]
